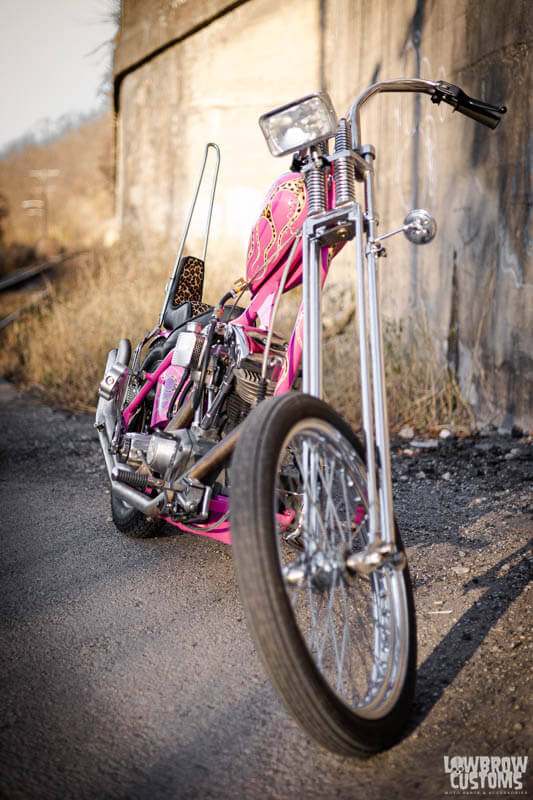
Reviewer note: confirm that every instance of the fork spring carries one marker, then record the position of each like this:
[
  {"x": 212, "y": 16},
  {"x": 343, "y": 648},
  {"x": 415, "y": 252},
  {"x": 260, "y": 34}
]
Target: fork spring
[
  {"x": 316, "y": 190},
  {"x": 344, "y": 171}
]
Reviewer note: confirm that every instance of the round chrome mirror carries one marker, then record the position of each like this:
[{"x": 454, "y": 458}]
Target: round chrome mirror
[{"x": 419, "y": 226}]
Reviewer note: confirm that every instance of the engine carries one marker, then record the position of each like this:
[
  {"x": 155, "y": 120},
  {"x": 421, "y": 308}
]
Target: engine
[
  {"x": 162, "y": 454},
  {"x": 222, "y": 380},
  {"x": 247, "y": 388}
]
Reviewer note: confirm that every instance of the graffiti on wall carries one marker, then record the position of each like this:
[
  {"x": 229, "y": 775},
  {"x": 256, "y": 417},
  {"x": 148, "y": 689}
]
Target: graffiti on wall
[{"x": 515, "y": 232}]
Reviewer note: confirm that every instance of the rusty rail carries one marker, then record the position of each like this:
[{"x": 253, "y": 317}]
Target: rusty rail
[
  {"x": 9, "y": 318},
  {"x": 22, "y": 275}
]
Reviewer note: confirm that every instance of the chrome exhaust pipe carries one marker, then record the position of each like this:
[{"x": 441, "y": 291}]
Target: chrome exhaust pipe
[
  {"x": 110, "y": 460},
  {"x": 150, "y": 506},
  {"x": 105, "y": 423},
  {"x": 105, "y": 417}
]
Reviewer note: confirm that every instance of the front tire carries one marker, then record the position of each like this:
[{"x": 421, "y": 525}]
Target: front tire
[{"x": 340, "y": 650}]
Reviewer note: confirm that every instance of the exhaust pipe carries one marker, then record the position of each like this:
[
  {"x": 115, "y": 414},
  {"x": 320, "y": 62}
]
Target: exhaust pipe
[
  {"x": 150, "y": 506},
  {"x": 104, "y": 419},
  {"x": 105, "y": 424}
]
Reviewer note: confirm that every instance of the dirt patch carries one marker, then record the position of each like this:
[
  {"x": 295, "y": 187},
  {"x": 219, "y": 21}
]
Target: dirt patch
[{"x": 465, "y": 508}]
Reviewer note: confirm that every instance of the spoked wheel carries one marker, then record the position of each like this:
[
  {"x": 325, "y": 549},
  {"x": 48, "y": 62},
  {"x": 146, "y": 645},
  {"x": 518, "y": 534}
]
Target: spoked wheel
[{"x": 339, "y": 646}]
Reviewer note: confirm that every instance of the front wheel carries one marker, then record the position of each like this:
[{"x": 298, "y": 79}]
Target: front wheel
[{"x": 339, "y": 647}]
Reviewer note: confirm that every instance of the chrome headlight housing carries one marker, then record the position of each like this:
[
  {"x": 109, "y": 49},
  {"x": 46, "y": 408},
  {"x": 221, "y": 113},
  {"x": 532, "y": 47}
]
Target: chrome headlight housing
[{"x": 299, "y": 124}]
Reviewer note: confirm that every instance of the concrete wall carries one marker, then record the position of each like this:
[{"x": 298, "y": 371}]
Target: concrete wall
[
  {"x": 211, "y": 86},
  {"x": 475, "y": 284},
  {"x": 189, "y": 71}
]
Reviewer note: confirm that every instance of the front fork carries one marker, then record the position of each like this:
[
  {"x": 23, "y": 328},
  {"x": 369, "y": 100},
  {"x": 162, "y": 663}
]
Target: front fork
[{"x": 326, "y": 228}]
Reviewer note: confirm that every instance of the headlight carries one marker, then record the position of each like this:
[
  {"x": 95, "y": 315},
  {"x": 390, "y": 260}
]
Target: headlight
[{"x": 299, "y": 124}]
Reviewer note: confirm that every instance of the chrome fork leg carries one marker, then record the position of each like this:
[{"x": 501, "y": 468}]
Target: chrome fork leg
[
  {"x": 312, "y": 367},
  {"x": 312, "y": 304},
  {"x": 380, "y": 404},
  {"x": 366, "y": 382},
  {"x": 378, "y": 368}
]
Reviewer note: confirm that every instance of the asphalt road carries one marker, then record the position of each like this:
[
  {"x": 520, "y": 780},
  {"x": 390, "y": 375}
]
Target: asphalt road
[{"x": 127, "y": 670}]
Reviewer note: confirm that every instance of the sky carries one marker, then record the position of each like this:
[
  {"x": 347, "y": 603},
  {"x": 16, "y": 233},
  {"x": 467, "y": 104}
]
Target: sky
[{"x": 53, "y": 60}]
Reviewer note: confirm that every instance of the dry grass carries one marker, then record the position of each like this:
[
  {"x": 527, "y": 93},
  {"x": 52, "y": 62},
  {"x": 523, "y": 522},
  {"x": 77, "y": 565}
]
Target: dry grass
[
  {"x": 422, "y": 391},
  {"x": 60, "y": 349}
]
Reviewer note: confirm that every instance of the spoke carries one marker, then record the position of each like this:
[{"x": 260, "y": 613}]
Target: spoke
[
  {"x": 309, "y": 529},
  {"x": 347, "y": 622},
  {"x": 314, "y": 627},
  {"x": 349, "y": 522},
  {"x": 304, "y": 472},
  {"x": 363, "y": 631},
  {"x": 330, "y": 504},
  {"x": 344, "y": 642}
]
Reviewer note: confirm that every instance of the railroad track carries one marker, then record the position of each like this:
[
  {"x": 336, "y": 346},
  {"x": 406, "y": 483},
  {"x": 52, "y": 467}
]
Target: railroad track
[{"x": 21, "y": 276}]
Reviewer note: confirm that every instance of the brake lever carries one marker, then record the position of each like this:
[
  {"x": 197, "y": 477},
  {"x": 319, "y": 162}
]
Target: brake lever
[
  {"x": 478, "y": 110},
  {"x": 454, "y": 96}
]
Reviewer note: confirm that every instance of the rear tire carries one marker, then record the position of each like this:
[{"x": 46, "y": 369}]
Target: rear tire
[
  {"x": 132, "y": 522},
  {"x": 340, "y": 649},
  {"x": 129, "y": 520}
]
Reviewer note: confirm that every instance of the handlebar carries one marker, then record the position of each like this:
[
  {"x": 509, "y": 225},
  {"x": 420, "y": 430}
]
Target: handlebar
[
  {"x": 477, "y": 110},
  {"x": 440, "y": 91}
]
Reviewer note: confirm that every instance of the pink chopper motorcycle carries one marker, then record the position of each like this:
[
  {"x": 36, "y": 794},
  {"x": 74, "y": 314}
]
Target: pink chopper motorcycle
[{"x": 205, "y": 430}]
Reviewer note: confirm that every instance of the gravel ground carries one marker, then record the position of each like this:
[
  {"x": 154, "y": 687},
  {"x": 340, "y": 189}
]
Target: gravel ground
[
  {"x": 127, "y": 670},
  {"x": 467, "y": 512}
]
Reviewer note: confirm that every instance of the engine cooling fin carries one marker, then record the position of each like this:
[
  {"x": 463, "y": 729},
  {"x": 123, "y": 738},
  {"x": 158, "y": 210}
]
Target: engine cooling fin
[{"x": 247, "y": 384}]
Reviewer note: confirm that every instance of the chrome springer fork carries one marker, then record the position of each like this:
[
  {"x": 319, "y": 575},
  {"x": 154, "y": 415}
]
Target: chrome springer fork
[{"x": 326, "y": 227}]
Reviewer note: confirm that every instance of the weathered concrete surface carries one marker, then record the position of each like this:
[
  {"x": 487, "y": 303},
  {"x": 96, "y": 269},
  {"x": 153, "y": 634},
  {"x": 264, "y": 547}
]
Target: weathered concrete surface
[
  {"x": 198, "y": 91},
  {"x": 144, "y": 31},
  {"x": 474, "y": 284}
]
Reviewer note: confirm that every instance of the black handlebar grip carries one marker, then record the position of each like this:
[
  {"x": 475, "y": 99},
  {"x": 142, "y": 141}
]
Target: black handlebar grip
[
  {"x": 478, "y": 110},
  {"x": 475, "y": 109}
]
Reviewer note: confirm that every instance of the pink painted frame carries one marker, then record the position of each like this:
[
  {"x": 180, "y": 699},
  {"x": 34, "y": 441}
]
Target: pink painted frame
[{"x": 270, "y": 243}]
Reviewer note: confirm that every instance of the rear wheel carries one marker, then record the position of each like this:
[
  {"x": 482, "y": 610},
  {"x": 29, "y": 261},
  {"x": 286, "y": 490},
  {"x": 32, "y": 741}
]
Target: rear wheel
[
  {"x": 132, "y": 522},
  {"x": 340, "y": 647},
  {"x": 127, "y": 519}
]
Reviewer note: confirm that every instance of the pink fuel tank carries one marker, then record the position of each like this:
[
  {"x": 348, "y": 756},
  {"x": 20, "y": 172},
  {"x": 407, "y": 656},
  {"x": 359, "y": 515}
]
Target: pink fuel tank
[{"x": 281, "y": 219}]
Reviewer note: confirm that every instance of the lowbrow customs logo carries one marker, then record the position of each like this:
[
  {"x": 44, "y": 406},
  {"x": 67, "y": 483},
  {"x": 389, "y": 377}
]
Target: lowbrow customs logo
[{"x": 486, "y": 775}]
